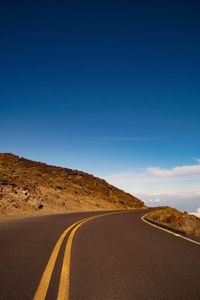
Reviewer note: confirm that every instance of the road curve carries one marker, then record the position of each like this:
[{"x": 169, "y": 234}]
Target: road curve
[{"x": 116, "y": 256}]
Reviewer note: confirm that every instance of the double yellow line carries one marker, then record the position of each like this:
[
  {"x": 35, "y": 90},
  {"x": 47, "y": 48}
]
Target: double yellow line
[{"x": 63, "y": 291}]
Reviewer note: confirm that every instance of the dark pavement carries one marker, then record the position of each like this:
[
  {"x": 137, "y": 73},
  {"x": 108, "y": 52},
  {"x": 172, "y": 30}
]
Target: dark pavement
[{"x": 113, "y": 257}]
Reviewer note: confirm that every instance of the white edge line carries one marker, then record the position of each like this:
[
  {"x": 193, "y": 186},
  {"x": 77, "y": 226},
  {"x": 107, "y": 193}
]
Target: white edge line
[{"x": 177, "y": 235}]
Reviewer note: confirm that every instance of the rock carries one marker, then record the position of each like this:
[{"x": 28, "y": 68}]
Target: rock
[{"x": 40, "y": 206}]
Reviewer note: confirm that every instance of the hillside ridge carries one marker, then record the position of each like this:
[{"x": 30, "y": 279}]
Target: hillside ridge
[{"x": 28, "y": 186}]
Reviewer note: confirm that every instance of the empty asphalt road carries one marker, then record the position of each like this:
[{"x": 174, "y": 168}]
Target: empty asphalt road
[{"x": 115, "y": 256}]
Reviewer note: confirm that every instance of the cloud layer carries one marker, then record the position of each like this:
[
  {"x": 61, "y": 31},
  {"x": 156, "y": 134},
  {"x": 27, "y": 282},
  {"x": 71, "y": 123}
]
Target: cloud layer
[
  {"x": 175, "y": 172},
  {"x": 155, "y": 184},
  {"x": 182, "y": 201},
  {"x": 196, "y": 213},
  {"x": 156, "y": 174}
]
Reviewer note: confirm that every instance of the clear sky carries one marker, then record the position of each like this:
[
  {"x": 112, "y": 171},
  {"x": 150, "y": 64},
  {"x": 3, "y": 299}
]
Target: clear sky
[{"x": 108, "y": 87}]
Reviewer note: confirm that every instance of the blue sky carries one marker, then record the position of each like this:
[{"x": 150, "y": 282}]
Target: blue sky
[{"x": 111, "y": 88}]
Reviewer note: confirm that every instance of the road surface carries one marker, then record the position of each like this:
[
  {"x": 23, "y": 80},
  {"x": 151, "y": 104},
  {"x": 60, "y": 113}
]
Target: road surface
[{"x": 115, "y": 256}]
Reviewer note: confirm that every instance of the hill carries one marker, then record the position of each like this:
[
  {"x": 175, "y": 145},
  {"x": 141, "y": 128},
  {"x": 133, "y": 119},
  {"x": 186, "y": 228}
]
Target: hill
[
  {"x": 29, "y": 187},
  {"x": 186, "y": 223}
]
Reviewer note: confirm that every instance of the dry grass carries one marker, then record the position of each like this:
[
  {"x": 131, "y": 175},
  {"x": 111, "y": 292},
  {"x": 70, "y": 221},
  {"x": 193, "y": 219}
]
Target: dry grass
[
  {"x": 27, "y": 186},
  {"x": 190, "y": 224}
]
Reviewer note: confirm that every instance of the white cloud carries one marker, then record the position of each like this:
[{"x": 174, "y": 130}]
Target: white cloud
[
  {"x": 182, "y": 201},
  {"x": 179, "y": 181},
  {"x": 197, "y": 160},
  {"x": 196, "y": 213},
  {"x": 157, "y": 200},
  {"x": 175, "y": 172},
  {"x": 155, "y": 175}
]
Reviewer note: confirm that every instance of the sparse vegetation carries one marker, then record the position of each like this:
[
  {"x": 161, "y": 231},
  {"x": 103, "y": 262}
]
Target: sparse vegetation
[
  {"x": 24, "y": 184},
  {"x": 190, "y": 224}
]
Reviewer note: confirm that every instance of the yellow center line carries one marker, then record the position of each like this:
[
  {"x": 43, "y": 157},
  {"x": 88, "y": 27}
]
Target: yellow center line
[
  {"x": 41, "y": 291},
  {"x": 63, "y": 291}
]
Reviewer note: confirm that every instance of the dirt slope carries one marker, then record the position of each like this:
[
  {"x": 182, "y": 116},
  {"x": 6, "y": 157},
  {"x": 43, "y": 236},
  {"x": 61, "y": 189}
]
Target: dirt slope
[
  {"x": 28, "y": 187},
  {"x": 189, "y": 224}
]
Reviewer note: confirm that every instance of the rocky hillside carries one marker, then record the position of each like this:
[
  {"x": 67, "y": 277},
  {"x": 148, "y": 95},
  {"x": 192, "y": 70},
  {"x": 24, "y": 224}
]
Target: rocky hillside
[
  {"x": 27, "y": 186},
  {"x": 189, "y": 224}
]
